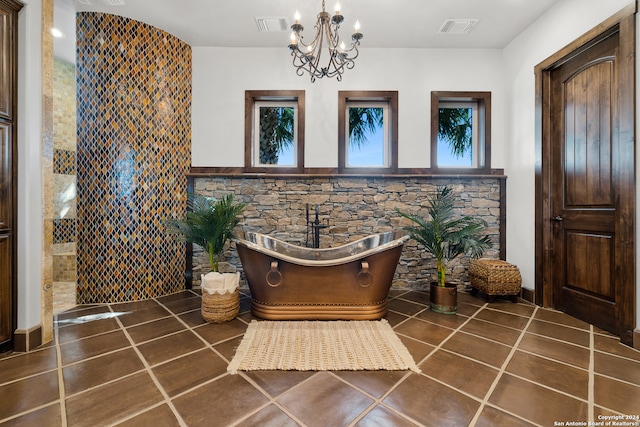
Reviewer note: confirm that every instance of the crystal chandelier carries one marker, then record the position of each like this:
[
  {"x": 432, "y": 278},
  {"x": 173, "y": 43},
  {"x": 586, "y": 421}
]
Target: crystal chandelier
[{"x": 307, "y": 57}]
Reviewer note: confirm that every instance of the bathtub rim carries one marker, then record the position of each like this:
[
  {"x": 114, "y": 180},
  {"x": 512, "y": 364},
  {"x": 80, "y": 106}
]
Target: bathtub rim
[{"x": 399, "y": 240}]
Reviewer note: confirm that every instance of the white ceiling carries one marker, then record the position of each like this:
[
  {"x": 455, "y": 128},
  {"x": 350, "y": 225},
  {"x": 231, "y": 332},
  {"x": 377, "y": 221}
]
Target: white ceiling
[{"x": 385, "y": 23}]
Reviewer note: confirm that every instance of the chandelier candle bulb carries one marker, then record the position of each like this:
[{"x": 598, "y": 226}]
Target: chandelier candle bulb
[
  {"x": 337, "y": 8},
  {"x": 297, "y": 17}
]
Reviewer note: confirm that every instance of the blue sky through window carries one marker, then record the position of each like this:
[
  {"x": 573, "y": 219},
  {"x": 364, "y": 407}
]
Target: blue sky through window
[
  {"x": 448, "y": 159},
  {"x": 285, "y": 157},
  {"x": 369, "y": 153}
]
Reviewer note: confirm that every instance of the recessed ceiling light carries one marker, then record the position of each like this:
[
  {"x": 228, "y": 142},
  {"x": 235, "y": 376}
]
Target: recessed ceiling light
[{"x": 57, "y": 33}]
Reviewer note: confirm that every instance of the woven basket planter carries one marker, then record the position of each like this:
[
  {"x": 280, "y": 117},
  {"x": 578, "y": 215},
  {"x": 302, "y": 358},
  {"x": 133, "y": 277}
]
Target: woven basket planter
[
  {"x": 217, "y": 308},
  {"x": 495, "y": 277}
]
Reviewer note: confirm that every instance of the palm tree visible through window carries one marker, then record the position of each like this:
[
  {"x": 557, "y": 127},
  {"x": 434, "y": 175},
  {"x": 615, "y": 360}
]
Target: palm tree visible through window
[
  {"x": 368, "y": 140},
  {"x": 276, "y": 133},
  {"x": 277, "y": 124},
  {"x": 363, "y": 120},
  {"x": 455, "y": 127},
  {"x": 460, "y": 131}
]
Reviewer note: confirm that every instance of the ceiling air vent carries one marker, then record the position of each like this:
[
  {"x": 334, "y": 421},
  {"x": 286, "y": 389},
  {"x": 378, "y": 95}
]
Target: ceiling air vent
[
  {"x": 271, "y": 24},
  {"x": 114, "y": 2},
  {"x": 457, "y": 26}
]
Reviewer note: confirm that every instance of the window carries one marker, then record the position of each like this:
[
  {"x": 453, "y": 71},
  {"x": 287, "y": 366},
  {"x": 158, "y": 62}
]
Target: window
[
  {"x": 367, "y": 130},
  {"x": 274, "y": 130},
  {"x": 460, "y": 131}
]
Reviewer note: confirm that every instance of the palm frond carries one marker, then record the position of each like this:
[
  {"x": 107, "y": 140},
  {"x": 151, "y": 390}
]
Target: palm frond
[
  {"x": 209, "y": 223},
  {"x": 455, "y": 127},
  {"x": 363, "y": 120},
  {"x": 443, "y": 234}
]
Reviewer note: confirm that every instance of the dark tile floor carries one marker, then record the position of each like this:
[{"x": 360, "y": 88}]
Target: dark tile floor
[{"x": 156, "y": 363}]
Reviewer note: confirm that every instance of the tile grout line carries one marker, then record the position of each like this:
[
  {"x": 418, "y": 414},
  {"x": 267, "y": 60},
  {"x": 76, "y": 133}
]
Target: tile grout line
[
  {"x": 63, "y": 406},
  {"x": 470, "y": 396},
  {"x": 453, "y": 332},
  {"x": 208, "y": 345},
  {"x": 436, "y": 348},
  {"x": 564, "y": 341},
  {"x": 147, "y": 367},
  {"x": 272, "y": 400},
  {"x": 193, "y": 330},
  {"x": 591, "y": 392},
  {"x": 497, "y": 408},
  {"x": 555, "y": 390},
  {"x": 376, "y": 400},
  {"x": 502, "y": 369}
]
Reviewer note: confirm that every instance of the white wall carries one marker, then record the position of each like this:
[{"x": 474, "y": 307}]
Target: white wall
[
  {"x": 30, "y": 186},
  {"x": 554, "y": 30},
  {"x": 221, "y": 76}
]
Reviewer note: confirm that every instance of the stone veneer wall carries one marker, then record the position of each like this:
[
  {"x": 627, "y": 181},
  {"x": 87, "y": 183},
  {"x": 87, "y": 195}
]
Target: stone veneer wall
[
  {"x": 134, "y": 150},
  {"x": 352, "y": 208}
]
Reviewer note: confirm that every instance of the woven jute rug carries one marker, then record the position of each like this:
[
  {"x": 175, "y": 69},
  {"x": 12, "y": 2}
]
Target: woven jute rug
[{"x": 321, "y": 346}]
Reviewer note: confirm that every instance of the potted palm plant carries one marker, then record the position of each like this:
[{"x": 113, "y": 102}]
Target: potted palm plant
[
  {"x": 209, "y": 223},
  {"x": 446, "y": 237}
]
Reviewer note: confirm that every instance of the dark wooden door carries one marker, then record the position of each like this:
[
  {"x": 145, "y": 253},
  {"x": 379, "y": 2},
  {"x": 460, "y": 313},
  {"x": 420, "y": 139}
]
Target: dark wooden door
[
  {"x": 8, "y": 171},
  {"x": 584, "y": 166}
]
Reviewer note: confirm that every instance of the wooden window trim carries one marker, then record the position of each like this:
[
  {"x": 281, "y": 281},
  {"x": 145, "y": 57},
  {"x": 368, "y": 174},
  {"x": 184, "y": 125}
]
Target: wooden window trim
[
  {"x": 391, "y": 97},
  {"x": 484, "y": 106},
  {"x": 250, "y": 98}
]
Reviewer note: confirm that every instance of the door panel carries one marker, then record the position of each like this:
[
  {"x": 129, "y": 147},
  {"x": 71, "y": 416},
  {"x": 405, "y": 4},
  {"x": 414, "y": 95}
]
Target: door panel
[
  {"x": 5, "y": 63},
  {"x": 6, "y": 208},
  {"x": 588, "y": 136},
  {"x": 589, "y": 263},
  {"x": 6, "y": 237},
  {"x": 6, "y": 190},
  {"x": 583, "y": 188},
  {"x": 6, "y": 286}
]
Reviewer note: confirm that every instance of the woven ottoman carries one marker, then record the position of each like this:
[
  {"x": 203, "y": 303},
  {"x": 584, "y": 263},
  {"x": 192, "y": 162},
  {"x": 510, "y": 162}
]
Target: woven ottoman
[{"x": 495, "y": 277}]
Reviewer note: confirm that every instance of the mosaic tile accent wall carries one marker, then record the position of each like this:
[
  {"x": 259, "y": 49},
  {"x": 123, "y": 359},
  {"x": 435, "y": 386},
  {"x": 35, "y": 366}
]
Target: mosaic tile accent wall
[
  {"x": 64, "y": 161},
  {"x": 64, "y": 230},
  {"x": 134, "y": 150}
]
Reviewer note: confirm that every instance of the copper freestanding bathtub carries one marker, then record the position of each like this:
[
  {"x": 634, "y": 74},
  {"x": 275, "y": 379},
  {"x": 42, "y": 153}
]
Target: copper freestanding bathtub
[{"x": 349, "y": 282}]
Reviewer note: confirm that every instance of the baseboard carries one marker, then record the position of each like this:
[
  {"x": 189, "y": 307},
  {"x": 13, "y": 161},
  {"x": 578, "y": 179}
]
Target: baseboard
[
  {"x": 25, "y": 340},
  {"x": 527, "y": 295}
]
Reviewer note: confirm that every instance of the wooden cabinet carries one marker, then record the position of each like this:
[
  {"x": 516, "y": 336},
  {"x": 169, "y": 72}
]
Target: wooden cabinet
[{"x": 8, "y": 170}]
